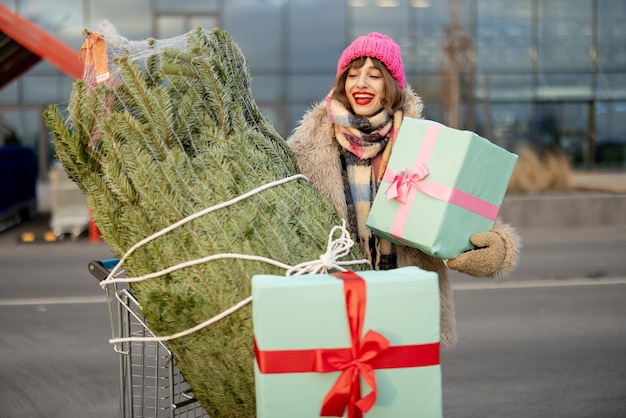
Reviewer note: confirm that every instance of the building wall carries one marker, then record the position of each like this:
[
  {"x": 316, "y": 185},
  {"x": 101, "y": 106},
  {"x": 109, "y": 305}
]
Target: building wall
[{"x": 550, "y": 74}]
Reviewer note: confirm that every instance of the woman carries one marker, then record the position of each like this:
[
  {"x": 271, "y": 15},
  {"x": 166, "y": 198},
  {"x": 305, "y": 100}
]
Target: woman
[{"x": 342, "y": 145}]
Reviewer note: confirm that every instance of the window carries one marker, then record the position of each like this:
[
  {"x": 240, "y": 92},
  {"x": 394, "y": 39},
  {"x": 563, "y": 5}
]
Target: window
[
  {"x": 42, "y": 89},
  {"x": 309, "y": 89},
  {"x": 316, "y": 37},
  {"x": 505, "y": 124},
  {"x": 62, "y": 19},
  {"x": 9, "y": 93},
  {"x": 261, "y": 44},
  {"x": 610, "y": 150},
  {"x": 169, "y": 26},
  {"x": 24, "y": 123},
  {"x": 565, "y": 34},
  {"x": 504, "y": 35},
  {"x": 511, "y": 87},
  {"x": 564, "y": 86},
  {"x": 132, "y": 19},
  {"x": 194, "y": 6},
  {"x": 611, "y": 86},
  {"x": 426, "y": 53},
  {"x": 267, "y": 88},
  {"x": 611, "y": 34}
]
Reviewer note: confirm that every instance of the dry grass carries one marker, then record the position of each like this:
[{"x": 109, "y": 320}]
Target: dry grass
[{"x": 534, "y": 173}]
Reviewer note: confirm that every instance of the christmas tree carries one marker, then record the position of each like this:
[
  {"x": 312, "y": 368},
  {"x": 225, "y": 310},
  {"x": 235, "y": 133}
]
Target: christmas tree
[{"x": 175, "y": 130}]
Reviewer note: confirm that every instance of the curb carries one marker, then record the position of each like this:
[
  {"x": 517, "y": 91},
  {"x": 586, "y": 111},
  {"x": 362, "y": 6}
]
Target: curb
[{"x": 574, "y": 210}]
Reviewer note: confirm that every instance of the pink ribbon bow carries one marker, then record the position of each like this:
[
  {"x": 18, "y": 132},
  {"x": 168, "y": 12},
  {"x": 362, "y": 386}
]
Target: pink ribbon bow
[
  {"x": 405, "y": 184},
  {"x": 402, "y": 182}
]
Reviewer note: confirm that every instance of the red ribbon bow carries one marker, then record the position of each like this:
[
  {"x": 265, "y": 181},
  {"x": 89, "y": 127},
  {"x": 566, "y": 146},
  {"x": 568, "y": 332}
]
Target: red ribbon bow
[
  {"x": 373, "y": 351},
  {"x": 347, "y": 389}
]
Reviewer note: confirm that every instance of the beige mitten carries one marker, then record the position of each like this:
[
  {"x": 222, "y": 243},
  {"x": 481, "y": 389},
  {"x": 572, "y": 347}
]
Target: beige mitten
[{"x": 495, "y": 255}]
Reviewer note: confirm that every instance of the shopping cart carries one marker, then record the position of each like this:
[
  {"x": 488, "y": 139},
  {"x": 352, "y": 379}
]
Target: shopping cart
[{"x": 150, "y": 383}]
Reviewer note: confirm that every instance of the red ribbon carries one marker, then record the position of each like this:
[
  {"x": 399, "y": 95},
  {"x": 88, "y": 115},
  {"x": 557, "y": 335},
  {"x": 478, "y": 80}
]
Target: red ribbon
[{"x": 360, "y": 360}]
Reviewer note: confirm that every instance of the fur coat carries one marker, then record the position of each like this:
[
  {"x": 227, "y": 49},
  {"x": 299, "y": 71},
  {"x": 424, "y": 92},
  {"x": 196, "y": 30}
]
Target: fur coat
[{"x": 317, "y": 152}]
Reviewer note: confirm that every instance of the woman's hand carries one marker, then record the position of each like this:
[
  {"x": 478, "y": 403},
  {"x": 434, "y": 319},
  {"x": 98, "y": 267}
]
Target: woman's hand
[{"x": 496, "y": 253}]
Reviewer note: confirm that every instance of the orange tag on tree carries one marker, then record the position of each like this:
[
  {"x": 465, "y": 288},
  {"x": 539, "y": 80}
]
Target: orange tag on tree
[{"x": 94, "y": 53}]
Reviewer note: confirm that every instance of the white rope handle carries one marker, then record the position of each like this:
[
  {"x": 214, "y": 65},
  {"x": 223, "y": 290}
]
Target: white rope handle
[
  {"x": 188, "y": 331},
  {"x": 335, "y": 249},
  {"x": 115, "y": 270},
  {"x": 193, "y": 263}
]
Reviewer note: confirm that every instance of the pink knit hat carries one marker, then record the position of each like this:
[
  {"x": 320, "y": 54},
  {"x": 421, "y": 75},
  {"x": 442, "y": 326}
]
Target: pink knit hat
[{"x": 375, "y": 45}]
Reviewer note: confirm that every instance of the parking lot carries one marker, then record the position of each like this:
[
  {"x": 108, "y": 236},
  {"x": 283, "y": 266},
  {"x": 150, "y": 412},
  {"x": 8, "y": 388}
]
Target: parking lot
[{"x": 547, "y": 342}]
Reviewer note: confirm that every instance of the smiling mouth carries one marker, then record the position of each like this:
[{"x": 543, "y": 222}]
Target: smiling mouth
[{"x": 363, "y": 99}]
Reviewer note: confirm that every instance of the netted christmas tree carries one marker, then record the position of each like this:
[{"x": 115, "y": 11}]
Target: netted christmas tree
[{"x": 169, "y": 130}]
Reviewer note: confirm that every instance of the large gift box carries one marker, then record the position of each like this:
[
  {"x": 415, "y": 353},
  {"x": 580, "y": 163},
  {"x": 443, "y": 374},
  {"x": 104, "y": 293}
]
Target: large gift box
[
  {"x": 347, "y": 344},
  {"x": 441, "y": 186}
]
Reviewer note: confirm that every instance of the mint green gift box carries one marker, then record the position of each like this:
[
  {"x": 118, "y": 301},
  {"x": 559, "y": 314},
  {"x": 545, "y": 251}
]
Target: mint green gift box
[
  {"x": 309, "y": 312},
  {"x": 452, "y": 182}
]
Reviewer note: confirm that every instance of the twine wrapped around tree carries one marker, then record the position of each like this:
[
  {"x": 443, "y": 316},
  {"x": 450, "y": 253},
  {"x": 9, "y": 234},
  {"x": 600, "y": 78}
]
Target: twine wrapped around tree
[{"x": 171, "y": 129}]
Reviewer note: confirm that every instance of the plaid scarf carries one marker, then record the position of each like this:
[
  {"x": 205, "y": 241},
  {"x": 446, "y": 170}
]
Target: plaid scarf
[
  {"x": 364, "y": 137},
  {"x": 366, "y": 144}
]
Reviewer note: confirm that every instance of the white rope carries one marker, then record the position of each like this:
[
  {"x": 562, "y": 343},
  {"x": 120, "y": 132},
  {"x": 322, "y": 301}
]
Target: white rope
[
  {"x": 335, "y": 249},
  {"x": 187, "y": 331},
  {"x": 111, "y": 276},
  {"x": 193, "y": 263}
]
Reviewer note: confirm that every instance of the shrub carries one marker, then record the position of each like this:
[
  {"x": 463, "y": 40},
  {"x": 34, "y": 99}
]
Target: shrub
[{"x": 541, "y": 172}]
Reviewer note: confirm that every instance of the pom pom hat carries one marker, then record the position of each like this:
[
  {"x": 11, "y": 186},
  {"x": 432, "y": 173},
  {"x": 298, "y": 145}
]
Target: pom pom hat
[{"x": 375, "y": 45}]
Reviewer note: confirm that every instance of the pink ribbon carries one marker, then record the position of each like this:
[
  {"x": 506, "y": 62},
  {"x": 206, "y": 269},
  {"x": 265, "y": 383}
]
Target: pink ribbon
[
  {"x": 402, "y": 182},
  {"x": 405, "y": 184}
]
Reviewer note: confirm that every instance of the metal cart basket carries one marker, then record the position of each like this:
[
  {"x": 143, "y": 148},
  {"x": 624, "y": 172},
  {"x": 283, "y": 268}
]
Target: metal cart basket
[{"x": 150, "y": 383}]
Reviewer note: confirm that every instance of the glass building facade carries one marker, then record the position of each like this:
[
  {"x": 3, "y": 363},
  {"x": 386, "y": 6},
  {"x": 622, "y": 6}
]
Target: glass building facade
[{"x": 550, "y": 74}]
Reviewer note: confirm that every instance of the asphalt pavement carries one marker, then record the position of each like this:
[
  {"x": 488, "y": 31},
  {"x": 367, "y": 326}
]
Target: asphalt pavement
[{"x": 549, "y": 341}]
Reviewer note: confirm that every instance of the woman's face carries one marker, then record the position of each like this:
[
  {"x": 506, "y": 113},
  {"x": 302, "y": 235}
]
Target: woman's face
[{"x": 365, "y": 89}]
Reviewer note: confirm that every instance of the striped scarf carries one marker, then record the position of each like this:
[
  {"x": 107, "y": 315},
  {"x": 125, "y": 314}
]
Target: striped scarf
[{"x": 366, "y": 144}]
